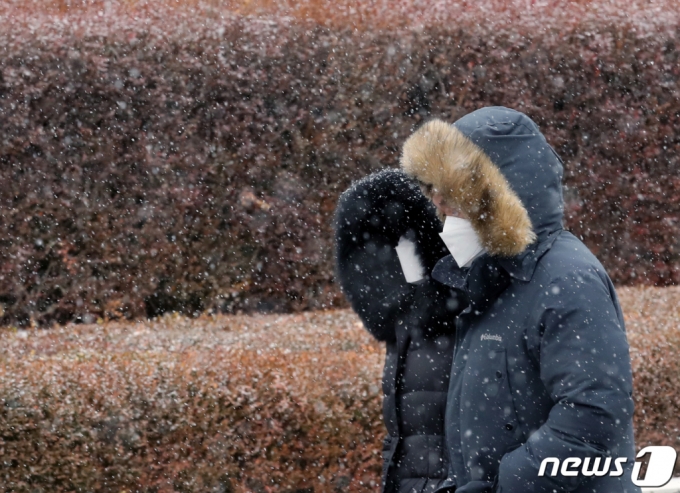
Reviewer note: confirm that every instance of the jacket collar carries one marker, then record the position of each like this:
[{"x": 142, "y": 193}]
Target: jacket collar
[
  {"x": 489, "y": 276},
  {"x": 522, "y": 267}
]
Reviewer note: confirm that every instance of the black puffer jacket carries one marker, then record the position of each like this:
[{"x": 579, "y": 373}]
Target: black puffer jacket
[{"x": 415, "y": 320}]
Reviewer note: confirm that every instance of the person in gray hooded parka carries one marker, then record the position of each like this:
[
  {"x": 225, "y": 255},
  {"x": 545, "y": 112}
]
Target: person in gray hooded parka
[{"x": 541, "y": 367}]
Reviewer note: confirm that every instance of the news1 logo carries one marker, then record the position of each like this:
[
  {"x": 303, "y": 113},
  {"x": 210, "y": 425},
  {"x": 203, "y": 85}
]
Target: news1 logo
[{"x": 659, "y": 462}]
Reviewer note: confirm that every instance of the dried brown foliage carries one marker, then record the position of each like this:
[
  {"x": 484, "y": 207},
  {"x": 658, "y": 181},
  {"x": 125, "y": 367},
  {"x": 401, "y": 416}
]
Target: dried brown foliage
[
  {"x": 384, "y": 14},
  {"x": 184, "y": 160},
  {"x": 653, "y": 325},
  {"x": 217, "y": 404},
  {"x": 241, "y": 403}
]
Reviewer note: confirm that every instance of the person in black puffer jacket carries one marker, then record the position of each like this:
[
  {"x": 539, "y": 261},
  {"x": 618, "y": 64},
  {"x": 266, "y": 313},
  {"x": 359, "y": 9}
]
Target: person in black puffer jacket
[{"x": 415, "y": 319}]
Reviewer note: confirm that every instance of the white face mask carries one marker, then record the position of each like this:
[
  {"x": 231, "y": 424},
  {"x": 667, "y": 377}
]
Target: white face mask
[{"x": 462, "y": 241}]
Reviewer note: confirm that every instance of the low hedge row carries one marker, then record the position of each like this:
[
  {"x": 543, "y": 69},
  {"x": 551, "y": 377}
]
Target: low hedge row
[
  {"x": 186, "y": 163},
  {"x": 219, "y": 404},
  {"x": 265, "y": 403}
]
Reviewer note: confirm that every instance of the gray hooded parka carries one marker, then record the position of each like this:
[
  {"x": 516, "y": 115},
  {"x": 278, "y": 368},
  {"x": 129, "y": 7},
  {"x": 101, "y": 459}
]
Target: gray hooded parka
[{"x": 541, "y": 366}]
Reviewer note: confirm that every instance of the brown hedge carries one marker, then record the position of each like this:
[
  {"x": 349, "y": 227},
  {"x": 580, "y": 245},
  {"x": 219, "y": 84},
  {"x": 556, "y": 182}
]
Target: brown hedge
[
  {"x": 265, "y": 403},
  {"x": 216, "y": 404},
  {"x": 189, "y": 163}
]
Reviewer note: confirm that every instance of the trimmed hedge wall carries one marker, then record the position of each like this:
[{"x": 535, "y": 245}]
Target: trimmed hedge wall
[
  {"x": 146, "y": 172},
  {"x": 221, "y": 404},
  {"x": 263, "y": 404}
]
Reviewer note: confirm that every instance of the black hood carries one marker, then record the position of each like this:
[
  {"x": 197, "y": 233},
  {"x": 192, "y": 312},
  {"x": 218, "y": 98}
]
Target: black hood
[{"x": 370, "y": 218}]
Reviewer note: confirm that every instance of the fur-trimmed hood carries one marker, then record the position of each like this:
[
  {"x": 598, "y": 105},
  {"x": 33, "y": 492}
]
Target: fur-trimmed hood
[{"x": 496, "y": 166}]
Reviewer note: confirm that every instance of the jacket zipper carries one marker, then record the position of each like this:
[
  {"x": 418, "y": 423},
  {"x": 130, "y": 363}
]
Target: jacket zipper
[{"x": 459, "y": 335}]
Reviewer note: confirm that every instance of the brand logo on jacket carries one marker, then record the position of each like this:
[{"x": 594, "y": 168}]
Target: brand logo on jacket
[
  {"x": 660, "y": 461},
  {"x": 492, "y": 337}
]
